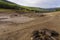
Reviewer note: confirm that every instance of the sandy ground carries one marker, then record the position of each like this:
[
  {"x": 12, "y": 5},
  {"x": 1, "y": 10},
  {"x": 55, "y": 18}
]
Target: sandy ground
[{"x": 20, "y": 28}]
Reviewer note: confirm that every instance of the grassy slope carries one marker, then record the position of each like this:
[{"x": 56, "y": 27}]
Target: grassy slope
[{"x": 4, "y": 4}]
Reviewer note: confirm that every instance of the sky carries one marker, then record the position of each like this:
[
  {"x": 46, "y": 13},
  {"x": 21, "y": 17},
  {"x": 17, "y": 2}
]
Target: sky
[{"x": 38, "y": 3}]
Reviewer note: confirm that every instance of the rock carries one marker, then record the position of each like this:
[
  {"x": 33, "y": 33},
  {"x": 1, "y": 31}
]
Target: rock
[
  {"x": 54, "y": 34},
  {"x": 45, "y": 34},
  {"x": 36, "y": 34}
]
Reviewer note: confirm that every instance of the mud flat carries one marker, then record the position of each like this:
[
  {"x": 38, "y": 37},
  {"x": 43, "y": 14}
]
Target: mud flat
[
  {"x": 22, "y": 27},
  {"x": 14, "y": 18},
  {"x": 21, "y": 19}
]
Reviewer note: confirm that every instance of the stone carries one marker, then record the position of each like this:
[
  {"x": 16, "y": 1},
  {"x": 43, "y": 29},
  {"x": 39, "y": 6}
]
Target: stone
[{"x": 45, "y": 34}]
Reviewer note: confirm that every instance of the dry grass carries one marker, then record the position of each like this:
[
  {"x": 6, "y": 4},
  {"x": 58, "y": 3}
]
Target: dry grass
[{"x": 7, "y": 11}]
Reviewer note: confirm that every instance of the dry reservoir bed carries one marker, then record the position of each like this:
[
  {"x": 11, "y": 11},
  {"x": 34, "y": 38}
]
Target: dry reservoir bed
[
  {"x": 22, "y": 26},
  {"x": 20, "y": 19}
]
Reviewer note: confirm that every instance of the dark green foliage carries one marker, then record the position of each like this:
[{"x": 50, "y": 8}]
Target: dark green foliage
[{"x": 6, "y": 5}]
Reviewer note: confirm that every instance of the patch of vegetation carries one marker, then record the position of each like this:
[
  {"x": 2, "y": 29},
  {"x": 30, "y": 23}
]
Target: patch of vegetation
[{"x": 8, "y": 5}]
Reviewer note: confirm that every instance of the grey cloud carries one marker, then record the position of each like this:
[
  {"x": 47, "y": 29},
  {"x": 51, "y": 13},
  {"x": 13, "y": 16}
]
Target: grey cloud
[{"x": 38, "y": 3}]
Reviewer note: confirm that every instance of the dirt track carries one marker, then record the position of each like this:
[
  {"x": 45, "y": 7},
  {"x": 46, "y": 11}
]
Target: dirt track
[{"x": 23, "y": 31}]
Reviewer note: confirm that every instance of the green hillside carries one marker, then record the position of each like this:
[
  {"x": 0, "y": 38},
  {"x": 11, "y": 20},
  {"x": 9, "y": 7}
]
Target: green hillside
[
  {"x": 4, "y": 4},
  {"x": 8, "y": 5}
]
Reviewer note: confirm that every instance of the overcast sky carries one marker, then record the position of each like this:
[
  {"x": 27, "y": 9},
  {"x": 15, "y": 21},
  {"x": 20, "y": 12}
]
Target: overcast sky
[{"x": 38, "y": 3}]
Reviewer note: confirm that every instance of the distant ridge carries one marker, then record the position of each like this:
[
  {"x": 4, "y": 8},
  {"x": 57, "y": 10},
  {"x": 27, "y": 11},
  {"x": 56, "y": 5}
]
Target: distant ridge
[{"x": 4, "y": 4}]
